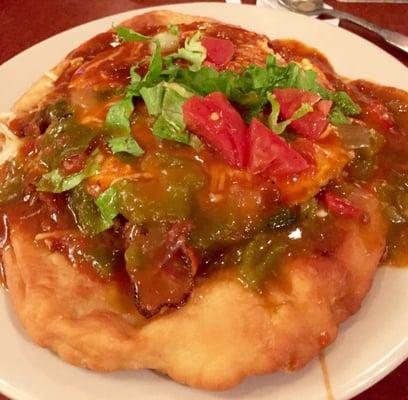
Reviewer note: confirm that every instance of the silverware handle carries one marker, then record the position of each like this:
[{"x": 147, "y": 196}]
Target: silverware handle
[{"x": 394, "y": 38}]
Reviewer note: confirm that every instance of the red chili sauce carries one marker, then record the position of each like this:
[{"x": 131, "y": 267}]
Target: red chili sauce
[{"x": 183, "y": 212}]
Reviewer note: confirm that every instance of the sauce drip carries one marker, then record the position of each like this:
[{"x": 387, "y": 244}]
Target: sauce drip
[
  {"x": 4, "y": 240},
  {"x": 3, "y": 283},
  {"x": 326, "y": 377}
]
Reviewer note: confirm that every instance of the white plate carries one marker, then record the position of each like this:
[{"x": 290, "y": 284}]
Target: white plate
[{"x": 370, "y": 344}]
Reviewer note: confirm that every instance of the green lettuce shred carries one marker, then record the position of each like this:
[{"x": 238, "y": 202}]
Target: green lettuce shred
[
  {"x": 279, "y": 127},
  {"x": 125, "y": 145},
  {"x": 129, "y": 35},
  {"x": 55, "y": 182},
  {"x": 107, "y": 203},
  {"x": 248, "y": 89},
  {"x": 193, "y": 52}
]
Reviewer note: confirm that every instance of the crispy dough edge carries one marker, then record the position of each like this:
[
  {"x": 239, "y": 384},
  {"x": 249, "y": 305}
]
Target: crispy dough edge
[
  {"x": 223, "y": 334},
  {"x": 32, "y": 99}
]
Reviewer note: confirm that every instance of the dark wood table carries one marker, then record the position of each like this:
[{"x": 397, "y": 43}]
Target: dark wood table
[{"x": 26, "y": 22}]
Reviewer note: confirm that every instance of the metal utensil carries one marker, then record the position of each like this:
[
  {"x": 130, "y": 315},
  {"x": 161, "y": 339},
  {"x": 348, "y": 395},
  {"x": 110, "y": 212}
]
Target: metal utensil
[{"x": 315, "y": 7}]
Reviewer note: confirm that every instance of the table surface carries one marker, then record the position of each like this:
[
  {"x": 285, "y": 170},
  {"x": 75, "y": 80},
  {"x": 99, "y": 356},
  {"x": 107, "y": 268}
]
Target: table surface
[{"x": 26, "y": 22}]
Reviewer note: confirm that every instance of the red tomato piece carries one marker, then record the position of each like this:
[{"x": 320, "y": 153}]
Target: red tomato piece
[
  {"x": 291, "y": 99},
  {"x": 219, "y": 51},
  {"x": 341, "y": 206},
  {"x": 312, "y": 124},
  {"x": 324, "y": 106},
  {"x": 235, "y": 123},
  {"x": 214, "y": 120},
  {"x": 270, "y": 154},
  {"x": 381, "y": 119},
  {"x": 380, "y": 115}
]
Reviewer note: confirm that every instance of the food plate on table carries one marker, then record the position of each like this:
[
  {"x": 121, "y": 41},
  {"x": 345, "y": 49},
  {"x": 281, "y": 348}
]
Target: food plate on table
[{"x": 228, "y": 173}]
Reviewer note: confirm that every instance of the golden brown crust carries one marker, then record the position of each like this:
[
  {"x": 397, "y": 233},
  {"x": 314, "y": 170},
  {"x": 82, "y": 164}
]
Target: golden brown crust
[
  {"x": 39, "y": 90},
  {"x": 162, "y": 18},
  {"x": 225, "y": 333}
]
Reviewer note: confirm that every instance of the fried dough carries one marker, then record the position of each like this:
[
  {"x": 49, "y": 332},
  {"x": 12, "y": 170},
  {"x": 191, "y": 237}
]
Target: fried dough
[
  {"x": 226, "y": 331},
  {"x": 223, "y": 334}
]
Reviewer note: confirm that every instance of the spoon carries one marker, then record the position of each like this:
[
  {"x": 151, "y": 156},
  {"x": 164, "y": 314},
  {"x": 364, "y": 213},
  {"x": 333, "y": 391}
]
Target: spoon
[{"x": 315, "y": 7}]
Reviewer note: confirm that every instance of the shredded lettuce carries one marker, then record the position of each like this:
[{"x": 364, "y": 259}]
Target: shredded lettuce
[
  {"x": 118, "y": 119},
  {"x": 279, "y": 127},
  {"x": 153, "y": 98},
  {"x": 346, "y": 104},
  {"x": 170, "y": 123},
  {"x": 337, "y": 116},
  {"x": 250, "y": 87},
  {"x": 165, "y": 101},
  {"x": 118, "y": 115},
  {"x": 87, "y": 214},
  {"x": 135, "y": 80},
  {"x": 196, "y": 143},
  {"x": 107, "y": 203},
  {"x": 155, "y": 66},
  {"x": 173, "y": 29},
  {"x": 193, "y": 52},
  {"x": 129, "y": 35},
  {"x": 55, "y": 182},
  {"x": 125, "y": 145},
  {"x": 275, "y": 111},
  {"x": 94, "y": 215}
]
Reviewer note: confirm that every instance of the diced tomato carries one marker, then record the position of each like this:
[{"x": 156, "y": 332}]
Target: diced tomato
[
  {"x": 236, "y": 125},
  {"x": 214, "y": 120},
  {"x": 312, "y": 124},
  {"x": 219, "y": 51},
  {"x": 341, "y": 206},
  {"x": 291, "y": 99},
  {"x": 270, "y": 154},
  {"x": 324, "y": 106},
  {"x": 381, "y": 119},
  {"x": 379, "y": 114}
]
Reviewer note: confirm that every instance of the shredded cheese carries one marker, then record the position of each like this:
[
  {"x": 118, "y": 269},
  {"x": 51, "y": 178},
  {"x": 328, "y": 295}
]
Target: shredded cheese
[
  {"x": 221, "y": 181},
  {"x": 307, "y": 65},
  {"x": 322, "y": 213},
  {"x": 91, "y": 119},
  {"x": 134, "y": 177},
  {"x": 51, "y": 75},
  {"x": 6, "y": 116},
  {"x": 55, "y": 234},
  {"x": 216, "y": 198},
  {"x": 9, "y": 145}
]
